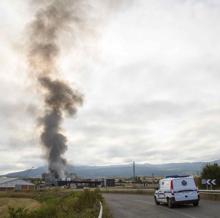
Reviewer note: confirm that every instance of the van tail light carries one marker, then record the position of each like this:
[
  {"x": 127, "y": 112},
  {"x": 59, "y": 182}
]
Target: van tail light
[{"x": 171, "y": 186}]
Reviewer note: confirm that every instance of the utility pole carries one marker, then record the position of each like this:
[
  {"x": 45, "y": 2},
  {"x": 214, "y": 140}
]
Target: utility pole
[
  {"x": 153, "y": 178},
  {"x": 134, "y": 171}
]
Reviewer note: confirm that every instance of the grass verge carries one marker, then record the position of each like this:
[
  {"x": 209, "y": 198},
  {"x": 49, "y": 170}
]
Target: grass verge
[{"x": 58, "y": 204}]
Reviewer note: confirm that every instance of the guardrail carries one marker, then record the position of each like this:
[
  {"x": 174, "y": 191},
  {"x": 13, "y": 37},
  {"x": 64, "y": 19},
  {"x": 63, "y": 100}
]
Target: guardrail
[
  {"x": 101, "y": 210},
  {"x": 209, "y": 191},
  {"x": 210, "y": 194}
]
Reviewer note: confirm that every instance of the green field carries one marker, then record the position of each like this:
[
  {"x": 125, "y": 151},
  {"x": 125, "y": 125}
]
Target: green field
[{"x": 56, "y": 203}]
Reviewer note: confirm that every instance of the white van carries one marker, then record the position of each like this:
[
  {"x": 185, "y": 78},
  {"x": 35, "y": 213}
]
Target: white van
[{"x": 175, "y": 190}]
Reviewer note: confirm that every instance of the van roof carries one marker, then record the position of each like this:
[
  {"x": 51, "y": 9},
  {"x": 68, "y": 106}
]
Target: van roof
[{"x": 177, "y": 176}]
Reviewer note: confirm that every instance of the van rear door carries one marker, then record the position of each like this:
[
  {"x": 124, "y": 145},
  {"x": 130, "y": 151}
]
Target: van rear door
[{"x": 185, "y": 189}]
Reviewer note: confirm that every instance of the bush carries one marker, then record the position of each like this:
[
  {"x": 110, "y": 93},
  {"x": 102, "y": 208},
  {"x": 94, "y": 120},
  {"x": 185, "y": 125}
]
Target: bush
[
  {"x": 211, "y": 171},
  {"x": 17, "y": 212},
  {"x": 87, "y": 199},
  {"x": 74, "y": 205}
]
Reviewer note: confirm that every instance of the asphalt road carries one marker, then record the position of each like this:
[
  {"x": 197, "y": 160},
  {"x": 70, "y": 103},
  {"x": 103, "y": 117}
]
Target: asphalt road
[{"x": 142, "y": 206}]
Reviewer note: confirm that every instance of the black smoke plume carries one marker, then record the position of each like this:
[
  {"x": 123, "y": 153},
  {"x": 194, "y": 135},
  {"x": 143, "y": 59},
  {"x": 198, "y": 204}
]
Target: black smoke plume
[{"x": 52, "y": 18}]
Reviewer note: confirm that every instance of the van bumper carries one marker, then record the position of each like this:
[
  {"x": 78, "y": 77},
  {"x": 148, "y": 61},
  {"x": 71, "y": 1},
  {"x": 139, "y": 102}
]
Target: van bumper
[{"x": 185, "y": 202}]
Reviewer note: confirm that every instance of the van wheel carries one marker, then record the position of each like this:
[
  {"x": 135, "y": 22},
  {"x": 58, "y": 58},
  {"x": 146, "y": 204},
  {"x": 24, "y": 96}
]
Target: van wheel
[
  {"x": 156, "y": 202},
  {"x": 170, "y": 203},
  {"x": 195, "y": 204}
]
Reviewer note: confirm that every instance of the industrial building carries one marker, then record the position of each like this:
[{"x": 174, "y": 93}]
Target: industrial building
[
  {"x": 82, "y": 183},
  {"x": 74, "y": 182},
  {"x": 7, "y": 184}
]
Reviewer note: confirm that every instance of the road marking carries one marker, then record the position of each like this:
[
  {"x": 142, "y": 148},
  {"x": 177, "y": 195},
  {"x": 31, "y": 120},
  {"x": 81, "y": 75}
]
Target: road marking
[{"x": 101, "y": 210}]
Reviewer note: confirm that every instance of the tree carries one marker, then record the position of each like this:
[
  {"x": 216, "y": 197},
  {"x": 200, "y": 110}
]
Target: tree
[{"x": 211, "y": 171}]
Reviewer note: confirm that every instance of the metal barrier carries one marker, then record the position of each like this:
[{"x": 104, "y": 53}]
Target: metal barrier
[
  {"x": 101, "y": 210},
  {"x": 209, "y": 191}
]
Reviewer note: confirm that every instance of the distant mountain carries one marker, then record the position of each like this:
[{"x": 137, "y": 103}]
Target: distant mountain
[{"x": 193, "y": 168}]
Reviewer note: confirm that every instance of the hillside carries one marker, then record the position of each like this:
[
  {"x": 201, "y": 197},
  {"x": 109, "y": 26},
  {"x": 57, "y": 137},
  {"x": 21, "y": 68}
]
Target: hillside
[{"x": 121, "y": 170}]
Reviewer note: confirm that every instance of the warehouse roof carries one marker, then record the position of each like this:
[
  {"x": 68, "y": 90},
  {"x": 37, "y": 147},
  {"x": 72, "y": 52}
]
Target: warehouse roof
[
  {"x": 6, "y": 179},
  {"x": 12, "y": 182}
]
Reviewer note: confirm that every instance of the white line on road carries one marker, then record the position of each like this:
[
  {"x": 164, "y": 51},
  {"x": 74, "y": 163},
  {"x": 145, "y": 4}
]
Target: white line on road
[{"x": 101, "y": 210}]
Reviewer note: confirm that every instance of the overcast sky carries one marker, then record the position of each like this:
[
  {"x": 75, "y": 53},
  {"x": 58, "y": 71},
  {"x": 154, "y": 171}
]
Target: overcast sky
[{"x": 149, "y": 72}]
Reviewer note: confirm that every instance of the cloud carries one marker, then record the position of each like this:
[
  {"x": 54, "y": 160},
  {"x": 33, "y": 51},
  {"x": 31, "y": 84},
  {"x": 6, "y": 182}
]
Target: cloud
[{"x": 150, "y": 78}]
